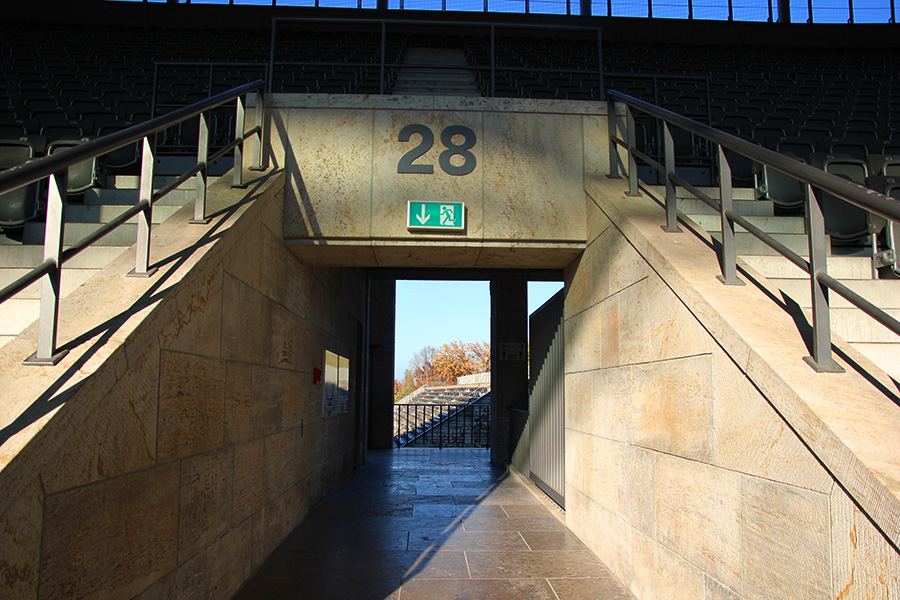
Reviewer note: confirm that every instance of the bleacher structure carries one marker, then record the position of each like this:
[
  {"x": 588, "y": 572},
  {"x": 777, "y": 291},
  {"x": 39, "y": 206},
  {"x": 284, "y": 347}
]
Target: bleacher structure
[
  {"x": 834, "y": 108},
  {"x": 443, "y": 416}
]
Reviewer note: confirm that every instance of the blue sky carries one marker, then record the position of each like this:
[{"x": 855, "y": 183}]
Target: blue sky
[{"x": 431, "y": 313}]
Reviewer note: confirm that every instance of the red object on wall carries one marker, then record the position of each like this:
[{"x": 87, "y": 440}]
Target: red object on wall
[{"x": 317, "y": 375}]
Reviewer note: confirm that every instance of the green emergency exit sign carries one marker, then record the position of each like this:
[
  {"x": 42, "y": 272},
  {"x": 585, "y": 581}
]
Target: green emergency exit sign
[{"x": 443, "y": 216}]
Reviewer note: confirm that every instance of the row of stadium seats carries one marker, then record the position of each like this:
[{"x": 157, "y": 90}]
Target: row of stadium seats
[{"x": 788, "y": 99}]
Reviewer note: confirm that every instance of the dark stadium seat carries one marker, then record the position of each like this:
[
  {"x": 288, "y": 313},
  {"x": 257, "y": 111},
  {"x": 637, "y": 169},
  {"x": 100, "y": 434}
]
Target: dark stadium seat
[
  {"x": 784, "y": 191},
  {"x": 890, "y": 235},
  {"x": 845, "y": 223},
  {"x": 83, "y": 175},
  {"x": 18, "y": 206},
  {"x": 884, "y": 164}
]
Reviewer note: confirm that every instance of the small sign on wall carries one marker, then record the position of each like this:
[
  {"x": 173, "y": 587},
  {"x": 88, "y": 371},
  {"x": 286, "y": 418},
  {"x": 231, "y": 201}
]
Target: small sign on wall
[
  {"x": 336, "y": 391},
  {"x": 513, "y": 351}
]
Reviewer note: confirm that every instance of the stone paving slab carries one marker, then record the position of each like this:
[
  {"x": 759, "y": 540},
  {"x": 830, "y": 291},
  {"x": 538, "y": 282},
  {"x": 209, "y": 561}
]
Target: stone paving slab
[{"x": 495, "y": 541}]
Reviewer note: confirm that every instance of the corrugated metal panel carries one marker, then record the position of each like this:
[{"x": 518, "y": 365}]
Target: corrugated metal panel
[{"x": 547, "y": 401}]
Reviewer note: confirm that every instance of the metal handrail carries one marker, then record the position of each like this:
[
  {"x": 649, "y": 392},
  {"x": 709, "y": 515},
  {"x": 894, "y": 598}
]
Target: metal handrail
[
  {"x": 22, "y": 175},
  {"x": 55, "y": 167},
  {"x": 862, "y": 197},
  {"x": 858, "y": 195}
]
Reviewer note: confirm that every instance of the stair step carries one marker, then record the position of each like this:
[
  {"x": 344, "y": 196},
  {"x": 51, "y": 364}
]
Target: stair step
[
  {"x": 886, "y": 356},
  {"x": 71, "y": 279},
  {"x": 32, "y": 255},
  {"x": 738, "y": 193},
  {"x": 713, "y": 223},
  {"x": 757, "y": 208},
  {"x": 124, "y": 235},
  {"x": 134, "y": 181},
  {"x": 839, "y": 267},
  {"x": 854, "y": 325},
  {"x": 419, "y": 80},
  {"x": 104, "y": 213},
  {"x": 883, "y": 293},
  {"x": 16, "y": 314},
  {"x": 129, "y": 196},
  {"x": 749, "y": 244}
]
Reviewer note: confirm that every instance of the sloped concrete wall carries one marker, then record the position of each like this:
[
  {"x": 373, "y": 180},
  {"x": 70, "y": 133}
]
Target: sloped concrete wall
[
  {"x": 681, "y": 474},
  {"x": 207, "y": 443}
]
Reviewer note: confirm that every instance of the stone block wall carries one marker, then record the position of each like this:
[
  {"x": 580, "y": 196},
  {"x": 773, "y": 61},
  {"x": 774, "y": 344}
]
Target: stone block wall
[
  {"x": 680, "y": 475},
  {"x": 209, "y": 445}
]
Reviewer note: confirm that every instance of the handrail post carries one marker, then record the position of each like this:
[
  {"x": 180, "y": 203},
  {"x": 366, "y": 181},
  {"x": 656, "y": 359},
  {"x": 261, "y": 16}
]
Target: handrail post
[
  {"x": 632, "y": 163},
  {"x": 671, "y": 225},
  {"x": 726, "y": 204},
  {"x": 238, "y": 169},
  {"x": 493, "y": 60},
  {"x": 258, "y": 141},
  {"x": 47, "y": 353},
  {"x": 381, "y": 81},
  {"x": 613, "y": 128},
  {"x": 145, "y": 218},
  {"x": 201, "y": 176},
  {"x": 821, "y": 360}
]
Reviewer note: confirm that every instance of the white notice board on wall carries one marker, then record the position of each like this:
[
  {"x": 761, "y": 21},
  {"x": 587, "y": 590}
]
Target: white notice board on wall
[{"x": 336, "y": 391}]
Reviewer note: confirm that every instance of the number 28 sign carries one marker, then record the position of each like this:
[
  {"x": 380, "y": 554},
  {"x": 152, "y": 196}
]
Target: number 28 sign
[{"x": 408, "y": 162}]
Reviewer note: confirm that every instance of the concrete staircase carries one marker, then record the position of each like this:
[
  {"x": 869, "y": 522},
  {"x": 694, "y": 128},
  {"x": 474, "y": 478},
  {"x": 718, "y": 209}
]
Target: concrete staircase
[
  {"x": 20, "y": 251},
  {"x": 439, "y": 80},
  {"x": 869, "y": 337}
]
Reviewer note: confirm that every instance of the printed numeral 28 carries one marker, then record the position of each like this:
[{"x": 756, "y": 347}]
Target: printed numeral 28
[{"x": 407, "y": 162}]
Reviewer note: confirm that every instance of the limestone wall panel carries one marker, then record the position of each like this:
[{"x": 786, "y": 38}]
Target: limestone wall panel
[
  {"x": 238, "y": 398},
  {"x": 228, "y": 562},
  {"x": 191, "y": 405},
  {"x": 246, "y": 323},
  {"x": 533, "y": 177},
  {"x": 117, "y": 437},
  {"x": 699, "y": 516},
  {"x": 196, "y": 325},
  {"x": 20, "y": 545},
  {"x": 673, "y": 407},
  {"x": 638, "y": 495},
  {"x": 112, "y": 538},
  {"x": 751, "y": 438},
  {"x": 207, "y": 488},
  {"x": 334, "y": 149},
  {"x": 660, "y": 573},
  {"x": 786, "y": 541},
  {"x": 866, "y": 567},
  {"x": 266, "y": 397},
  {"x": 248, "y": 479},
  {"x": 612, "y": 404}
]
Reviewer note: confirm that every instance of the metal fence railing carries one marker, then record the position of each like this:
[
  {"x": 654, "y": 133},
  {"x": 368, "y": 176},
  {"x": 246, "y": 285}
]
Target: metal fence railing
[
  {"x": 442, "y": 425},
  {"x": 815, "y": 267},
  {"x": 55, "y": 168}
]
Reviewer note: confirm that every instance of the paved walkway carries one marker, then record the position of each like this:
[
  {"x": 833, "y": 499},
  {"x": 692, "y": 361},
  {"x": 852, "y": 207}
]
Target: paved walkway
[{"x": 428, "y": 524}]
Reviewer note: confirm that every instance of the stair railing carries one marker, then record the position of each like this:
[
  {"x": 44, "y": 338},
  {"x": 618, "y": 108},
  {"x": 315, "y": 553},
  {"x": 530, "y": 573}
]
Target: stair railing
[
  {"x": 820, "y": 281},
  {"x": 55, "y": 168}
]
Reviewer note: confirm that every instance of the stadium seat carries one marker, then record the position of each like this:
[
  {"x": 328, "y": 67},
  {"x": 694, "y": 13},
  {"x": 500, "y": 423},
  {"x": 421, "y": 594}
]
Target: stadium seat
[
  {"x": 83, "y": 175},
  {"x": 18, "y": 206},
  {"x": 784, "y": 191},
  {"x": 845, "y": 223},
  {"x": 884, "y": 164},
  {"x": 889, "y": 186}
]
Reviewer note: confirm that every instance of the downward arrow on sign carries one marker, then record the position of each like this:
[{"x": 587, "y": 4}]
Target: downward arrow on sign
[{"x": 423, "y": 218}]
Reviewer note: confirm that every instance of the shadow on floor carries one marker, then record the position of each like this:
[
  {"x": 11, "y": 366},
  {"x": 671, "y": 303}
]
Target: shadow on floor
[{"x": 432, "y": 524}]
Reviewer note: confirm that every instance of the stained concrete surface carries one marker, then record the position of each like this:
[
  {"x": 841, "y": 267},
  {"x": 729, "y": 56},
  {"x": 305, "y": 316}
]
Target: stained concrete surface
[{"x": 433, "y": 524}]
